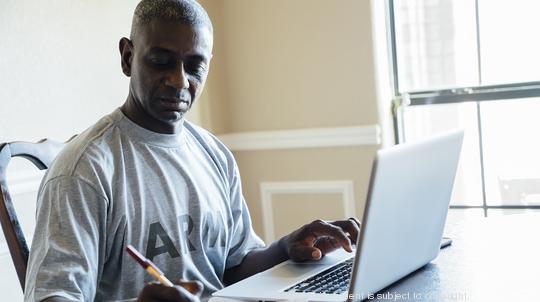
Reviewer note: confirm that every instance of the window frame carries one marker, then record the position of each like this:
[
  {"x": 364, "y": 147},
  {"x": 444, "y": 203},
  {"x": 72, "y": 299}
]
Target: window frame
[{"x": 477, "y": 94}]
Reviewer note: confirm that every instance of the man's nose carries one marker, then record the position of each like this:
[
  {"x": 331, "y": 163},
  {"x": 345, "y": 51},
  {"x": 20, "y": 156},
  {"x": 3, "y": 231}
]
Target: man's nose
[{"x": 178, "y": 79}]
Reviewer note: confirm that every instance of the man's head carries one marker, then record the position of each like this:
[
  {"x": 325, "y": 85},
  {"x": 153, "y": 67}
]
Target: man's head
[{"x": 167, "y": 58}]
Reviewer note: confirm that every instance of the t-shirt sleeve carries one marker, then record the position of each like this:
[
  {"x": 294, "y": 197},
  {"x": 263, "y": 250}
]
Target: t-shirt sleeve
[
  {"x": 66, "y": 248},
  {"x": 244, "y": 238}
]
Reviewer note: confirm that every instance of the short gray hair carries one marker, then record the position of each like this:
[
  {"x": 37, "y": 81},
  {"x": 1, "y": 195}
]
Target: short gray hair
[{"x": 188, "y": 12}]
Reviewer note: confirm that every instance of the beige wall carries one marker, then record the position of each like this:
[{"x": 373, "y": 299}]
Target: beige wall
[
  {"x": 322, "y": 164},
  {"x": 298, "y": 64},
  {"x": 292, "y": 64}
]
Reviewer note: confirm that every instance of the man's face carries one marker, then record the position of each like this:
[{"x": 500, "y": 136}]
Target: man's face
[{"x": 168, "y": 65}]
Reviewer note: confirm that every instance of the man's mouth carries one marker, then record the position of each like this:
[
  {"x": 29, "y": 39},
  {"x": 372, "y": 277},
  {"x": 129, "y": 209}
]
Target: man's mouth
[{"x": 174, "y": 104}]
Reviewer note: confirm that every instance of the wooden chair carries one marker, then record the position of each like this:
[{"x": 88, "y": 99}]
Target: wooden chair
[{"x": 41, "y": 154}]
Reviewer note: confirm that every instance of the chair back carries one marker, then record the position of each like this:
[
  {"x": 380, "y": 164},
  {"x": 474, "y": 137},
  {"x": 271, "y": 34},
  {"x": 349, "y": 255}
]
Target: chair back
[{"x": 41, "y": 154}]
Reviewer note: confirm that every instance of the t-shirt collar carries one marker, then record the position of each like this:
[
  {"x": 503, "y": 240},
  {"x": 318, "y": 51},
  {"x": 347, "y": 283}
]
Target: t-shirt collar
[{"x": 147, "y": 136}]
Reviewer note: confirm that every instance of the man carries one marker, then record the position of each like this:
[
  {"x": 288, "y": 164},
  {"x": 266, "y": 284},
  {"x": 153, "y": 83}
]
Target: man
[{"x": 145, "y": 176}]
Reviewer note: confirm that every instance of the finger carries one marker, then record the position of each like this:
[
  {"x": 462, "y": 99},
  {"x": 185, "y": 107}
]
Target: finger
[
  {"x": 159, "y": 292},
  {"x": 350, "y": 226},
  {"x": 356, "y": 221},
  {"x": 323, "y": 229},
  {"x": 327, "y": 245},
  {"x": 193, "y": 287},
  {"x": 300, "y": 252}
]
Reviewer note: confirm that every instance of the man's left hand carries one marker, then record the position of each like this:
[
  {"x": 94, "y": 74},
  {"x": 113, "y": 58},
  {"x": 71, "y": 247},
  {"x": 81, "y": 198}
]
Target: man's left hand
[{"x": 314, "y": 240}]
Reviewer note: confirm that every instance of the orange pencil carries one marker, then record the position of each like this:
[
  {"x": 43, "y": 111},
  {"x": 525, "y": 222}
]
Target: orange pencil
[{"x": 150, "y": 267}]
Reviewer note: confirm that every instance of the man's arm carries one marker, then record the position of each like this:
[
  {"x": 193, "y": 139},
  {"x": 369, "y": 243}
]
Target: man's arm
[
  {"x": 255, "y": 261},
  {"x": 64, "y": 256},
  {"x": 310, "y": 242}
]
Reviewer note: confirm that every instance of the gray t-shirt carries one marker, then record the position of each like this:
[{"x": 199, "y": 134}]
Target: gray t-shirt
[{"x": 176, "y": 198}]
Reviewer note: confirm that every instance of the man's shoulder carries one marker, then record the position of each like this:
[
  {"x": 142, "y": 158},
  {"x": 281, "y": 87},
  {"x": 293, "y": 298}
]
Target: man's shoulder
[
  {"x": 92, "y": 145},
  {"x": 211, "y": 144},
  {"x": 208, "y": 140}
]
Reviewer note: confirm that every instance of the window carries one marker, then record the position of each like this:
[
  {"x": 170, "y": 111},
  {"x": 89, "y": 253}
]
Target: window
[{"x": 473, "y": 65}]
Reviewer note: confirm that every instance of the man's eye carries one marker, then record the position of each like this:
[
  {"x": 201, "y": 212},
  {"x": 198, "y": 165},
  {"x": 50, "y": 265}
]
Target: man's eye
[
  {"x": 159, "y": 61},
  {"x": 197, "y": 69}
]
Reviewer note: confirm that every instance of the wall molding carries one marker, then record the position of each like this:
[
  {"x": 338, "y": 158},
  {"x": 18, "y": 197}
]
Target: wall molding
[
  {"x": 303, "y": 138},
  {"x": 19, "y": 183},
  {"x": 345, "y": 188},
  {"x": 24, "y": 182}
]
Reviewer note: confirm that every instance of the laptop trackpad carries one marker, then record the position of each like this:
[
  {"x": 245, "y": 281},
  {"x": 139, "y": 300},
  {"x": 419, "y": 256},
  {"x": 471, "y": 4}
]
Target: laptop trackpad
[{"x": 292, "y": 270}]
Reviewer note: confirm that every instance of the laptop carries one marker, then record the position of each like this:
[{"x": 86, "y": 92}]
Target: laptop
[{"x": 408, "y": 198}]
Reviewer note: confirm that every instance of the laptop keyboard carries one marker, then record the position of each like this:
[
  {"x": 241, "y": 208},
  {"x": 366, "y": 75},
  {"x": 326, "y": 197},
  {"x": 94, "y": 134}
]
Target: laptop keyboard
[{"x": 334, "y": 280}]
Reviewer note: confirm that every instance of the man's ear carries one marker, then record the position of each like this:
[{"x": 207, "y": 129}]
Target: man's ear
[{"x": 126, "y": 55}]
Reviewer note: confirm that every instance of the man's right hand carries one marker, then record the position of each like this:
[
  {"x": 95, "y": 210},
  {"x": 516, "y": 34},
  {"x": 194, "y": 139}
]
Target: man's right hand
[{"x": 182, "y": 291}]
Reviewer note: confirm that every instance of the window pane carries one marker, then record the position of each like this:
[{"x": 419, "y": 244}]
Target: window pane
[
  {"x": 511, "y": 151},
  {"x": 435, "y": 44},
  {"x": 424, "y": 121},
  {"x": 509, "y": 43}
]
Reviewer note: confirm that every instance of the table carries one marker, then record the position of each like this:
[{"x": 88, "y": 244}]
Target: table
[{"x": 491, "y": 259}]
